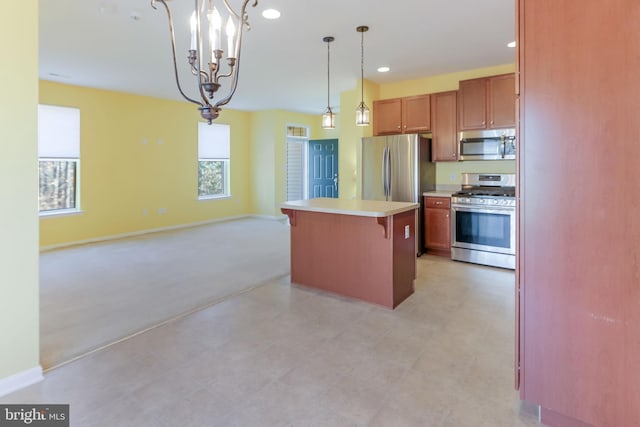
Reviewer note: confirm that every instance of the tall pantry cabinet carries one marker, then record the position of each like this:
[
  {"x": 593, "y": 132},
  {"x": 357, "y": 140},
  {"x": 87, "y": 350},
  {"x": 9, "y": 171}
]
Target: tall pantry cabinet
[{"x": 578, "y": 271}]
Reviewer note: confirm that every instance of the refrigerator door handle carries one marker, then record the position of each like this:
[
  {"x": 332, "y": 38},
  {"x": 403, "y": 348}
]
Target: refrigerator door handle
[
  {"x": 383, "y": 172},
  {"x": 389, "y": 172}
]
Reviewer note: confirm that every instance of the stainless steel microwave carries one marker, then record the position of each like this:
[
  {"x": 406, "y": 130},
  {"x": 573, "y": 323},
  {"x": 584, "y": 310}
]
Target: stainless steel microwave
[{"x": 494, "y": 144}]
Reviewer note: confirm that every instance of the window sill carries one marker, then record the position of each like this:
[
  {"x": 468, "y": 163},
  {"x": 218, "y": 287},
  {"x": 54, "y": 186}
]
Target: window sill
[
  {"x": 222, "y": 196},
  {"x": 61, "y": 212}
]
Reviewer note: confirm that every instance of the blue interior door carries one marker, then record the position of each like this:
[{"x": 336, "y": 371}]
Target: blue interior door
[{"x": 323, "y": 168}]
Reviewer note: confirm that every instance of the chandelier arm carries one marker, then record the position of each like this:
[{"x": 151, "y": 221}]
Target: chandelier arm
[
  {"x": 221, "y": 76},
  {"x": 173, "y": 49},
  {"x": 234, "y": 80},
  {"x": 200, "y": 73},
  {"x": 230, "y": 9}
]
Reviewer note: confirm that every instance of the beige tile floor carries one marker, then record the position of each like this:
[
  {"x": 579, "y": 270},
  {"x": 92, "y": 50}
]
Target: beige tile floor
[{"x": 283, "y": 355}]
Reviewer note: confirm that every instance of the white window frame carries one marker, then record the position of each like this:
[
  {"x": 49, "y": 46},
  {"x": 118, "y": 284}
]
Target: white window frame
[
  {"x": 51, "y": 147},
  {"x": 304, "y": 140},
  {"x": 213, "y": 149}
]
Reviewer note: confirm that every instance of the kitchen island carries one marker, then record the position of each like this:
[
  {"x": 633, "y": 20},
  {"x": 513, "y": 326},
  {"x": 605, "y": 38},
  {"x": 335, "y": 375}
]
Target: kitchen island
[{"x": 362, "y": 249}]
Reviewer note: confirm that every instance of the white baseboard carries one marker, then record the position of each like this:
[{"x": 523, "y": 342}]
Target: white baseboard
[
  {"x": 280, "y": 218},
  {"x": 142, "y": 232},
  {"x": 20, "y": 380}
]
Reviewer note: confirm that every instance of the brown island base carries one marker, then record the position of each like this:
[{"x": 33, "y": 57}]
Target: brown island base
[{"x": 361, "y": 249}]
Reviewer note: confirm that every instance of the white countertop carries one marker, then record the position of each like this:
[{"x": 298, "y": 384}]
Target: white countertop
[
  {"x": 438, "y": 193},
  {"x": 371, "y": 208}
]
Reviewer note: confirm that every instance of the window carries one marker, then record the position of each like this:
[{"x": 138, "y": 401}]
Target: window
[
  {"x": 58, "y": 158},
  {"x": 297, "y": 139},
  {"x": 213, "y": 160}
]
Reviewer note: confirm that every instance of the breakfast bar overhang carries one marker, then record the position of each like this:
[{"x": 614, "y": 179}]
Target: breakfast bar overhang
[{"x": 361, "y": 249}]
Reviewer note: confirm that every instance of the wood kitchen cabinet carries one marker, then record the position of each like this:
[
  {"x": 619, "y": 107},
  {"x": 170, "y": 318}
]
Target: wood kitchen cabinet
[
  {"x": 411, "y": 114},
  {"x": 487, "y": 103},
  {"x": 437, "y": 225},
  {"x": 444, "y": 127},
  {"x": 578, "y": 270}
]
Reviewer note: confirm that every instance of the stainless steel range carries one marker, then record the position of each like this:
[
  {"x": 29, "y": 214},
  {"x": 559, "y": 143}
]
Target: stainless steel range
[{"x": 483, "y": 220}]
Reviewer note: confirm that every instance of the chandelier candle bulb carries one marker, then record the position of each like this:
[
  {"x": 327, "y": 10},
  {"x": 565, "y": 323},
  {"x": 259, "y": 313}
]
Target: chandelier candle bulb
[
  {"x": 194, "y": 32},
  {"x": 215, "y": 27},
  {"x": 231, "y": 32}
]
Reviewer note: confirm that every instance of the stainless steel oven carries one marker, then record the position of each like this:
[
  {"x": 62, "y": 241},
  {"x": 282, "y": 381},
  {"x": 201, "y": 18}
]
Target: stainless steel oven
[{"x": 483, "y": 220}]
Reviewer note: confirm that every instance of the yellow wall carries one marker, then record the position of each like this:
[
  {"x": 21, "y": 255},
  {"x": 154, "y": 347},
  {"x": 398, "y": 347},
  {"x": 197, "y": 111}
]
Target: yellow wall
[
  {"x": 439, "y": 83},
  {"x": 450, "y": 172},
  {"x": 268, "y": 154},
  {"x": 138, "y": 155},
  {"x": 350, "y": 135},
  {"x": 19, "y": 318}
]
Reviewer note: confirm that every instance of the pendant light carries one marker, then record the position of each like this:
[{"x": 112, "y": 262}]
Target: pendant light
[
  {"x": 328, "y": 118},
  {"x": 362, "y": 113}
]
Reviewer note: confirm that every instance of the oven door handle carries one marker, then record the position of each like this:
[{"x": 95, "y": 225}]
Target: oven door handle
[{"x": 484, "y": 209}]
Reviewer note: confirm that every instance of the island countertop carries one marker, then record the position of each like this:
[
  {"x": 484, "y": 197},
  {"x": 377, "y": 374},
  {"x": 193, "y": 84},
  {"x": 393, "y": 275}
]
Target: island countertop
[{"x": 370, "y": 208}]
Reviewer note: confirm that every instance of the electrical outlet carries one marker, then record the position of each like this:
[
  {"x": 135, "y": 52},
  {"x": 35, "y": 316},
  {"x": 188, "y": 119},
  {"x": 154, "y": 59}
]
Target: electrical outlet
[
  {"x": 145, "y": 211},
  {"x": 162, "y": 211},
  {"x": 452, "y": 177},
  {"x": 407, "y": 231}
]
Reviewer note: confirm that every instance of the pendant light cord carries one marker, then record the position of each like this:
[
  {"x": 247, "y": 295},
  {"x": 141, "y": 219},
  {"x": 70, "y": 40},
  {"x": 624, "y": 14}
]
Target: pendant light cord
[
  {"x": 328, "y": 74},
  {"x": 362, "y": 66}
]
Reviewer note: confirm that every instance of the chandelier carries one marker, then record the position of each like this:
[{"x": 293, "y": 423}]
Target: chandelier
[
  {"x": 362, "y": 112},
  {"x": 328, "y": 117},
  {"x": 206, "y": 58}
]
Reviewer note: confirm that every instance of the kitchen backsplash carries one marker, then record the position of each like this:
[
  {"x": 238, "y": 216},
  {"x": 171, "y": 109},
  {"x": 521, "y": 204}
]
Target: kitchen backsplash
[{"x": 449, "y": 173}]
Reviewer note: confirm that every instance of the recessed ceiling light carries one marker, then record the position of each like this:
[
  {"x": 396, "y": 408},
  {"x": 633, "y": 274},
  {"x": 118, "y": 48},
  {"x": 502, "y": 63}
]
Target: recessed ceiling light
[
  {"x": 271, "y": 14},
  {"x": 512, "y": 44},
  {"x": 383, "y": 69}
]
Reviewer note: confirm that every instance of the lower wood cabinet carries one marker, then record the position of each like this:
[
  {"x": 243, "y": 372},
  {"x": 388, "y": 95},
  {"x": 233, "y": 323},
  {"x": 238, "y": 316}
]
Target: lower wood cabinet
[{"x": 437, "y": 225}]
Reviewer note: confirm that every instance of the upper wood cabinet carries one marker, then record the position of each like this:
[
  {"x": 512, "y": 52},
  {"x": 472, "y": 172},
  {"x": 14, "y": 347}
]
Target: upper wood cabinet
[
  {"x": 387, "y": 116},
  {"x": 444, "y": 145},
  {"x": 411, "y": 114},
  {"x": 416, "y": 114},
  {"x": 487, "y": 103}
]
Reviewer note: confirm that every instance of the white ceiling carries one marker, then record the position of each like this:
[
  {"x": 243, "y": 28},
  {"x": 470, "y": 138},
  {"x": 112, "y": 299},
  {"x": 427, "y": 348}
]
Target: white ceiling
[{"x": 96, "y": 43}]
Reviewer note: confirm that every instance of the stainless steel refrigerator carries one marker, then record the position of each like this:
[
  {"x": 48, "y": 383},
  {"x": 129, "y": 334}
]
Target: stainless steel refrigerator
[{"x": 398, "y": 168}]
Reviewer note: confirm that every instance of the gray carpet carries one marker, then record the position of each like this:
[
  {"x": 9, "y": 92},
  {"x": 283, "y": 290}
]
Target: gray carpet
[{"x": 93, "y": 295}]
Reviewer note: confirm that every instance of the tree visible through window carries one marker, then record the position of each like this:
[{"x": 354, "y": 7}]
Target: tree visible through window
[
  {"x": 211, "y": 177},
  {"x": 57, "y": 182}
]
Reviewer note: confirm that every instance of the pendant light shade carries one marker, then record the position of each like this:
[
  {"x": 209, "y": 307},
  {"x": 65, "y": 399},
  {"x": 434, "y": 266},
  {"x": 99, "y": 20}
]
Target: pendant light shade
[
  {"x": 328, "y": 118},
  {"x": 362, "y": 113}
]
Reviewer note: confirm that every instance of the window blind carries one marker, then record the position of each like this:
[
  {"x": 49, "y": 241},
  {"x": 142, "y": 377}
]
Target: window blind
[
  {"x": 58, "y": 132},
  {"x": 213, "y": 141}
]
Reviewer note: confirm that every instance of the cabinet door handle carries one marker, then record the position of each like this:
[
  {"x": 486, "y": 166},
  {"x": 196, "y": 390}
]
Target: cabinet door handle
[
  {"x": 483, "y": 122},
  {"x": 447, "y": 216}
]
